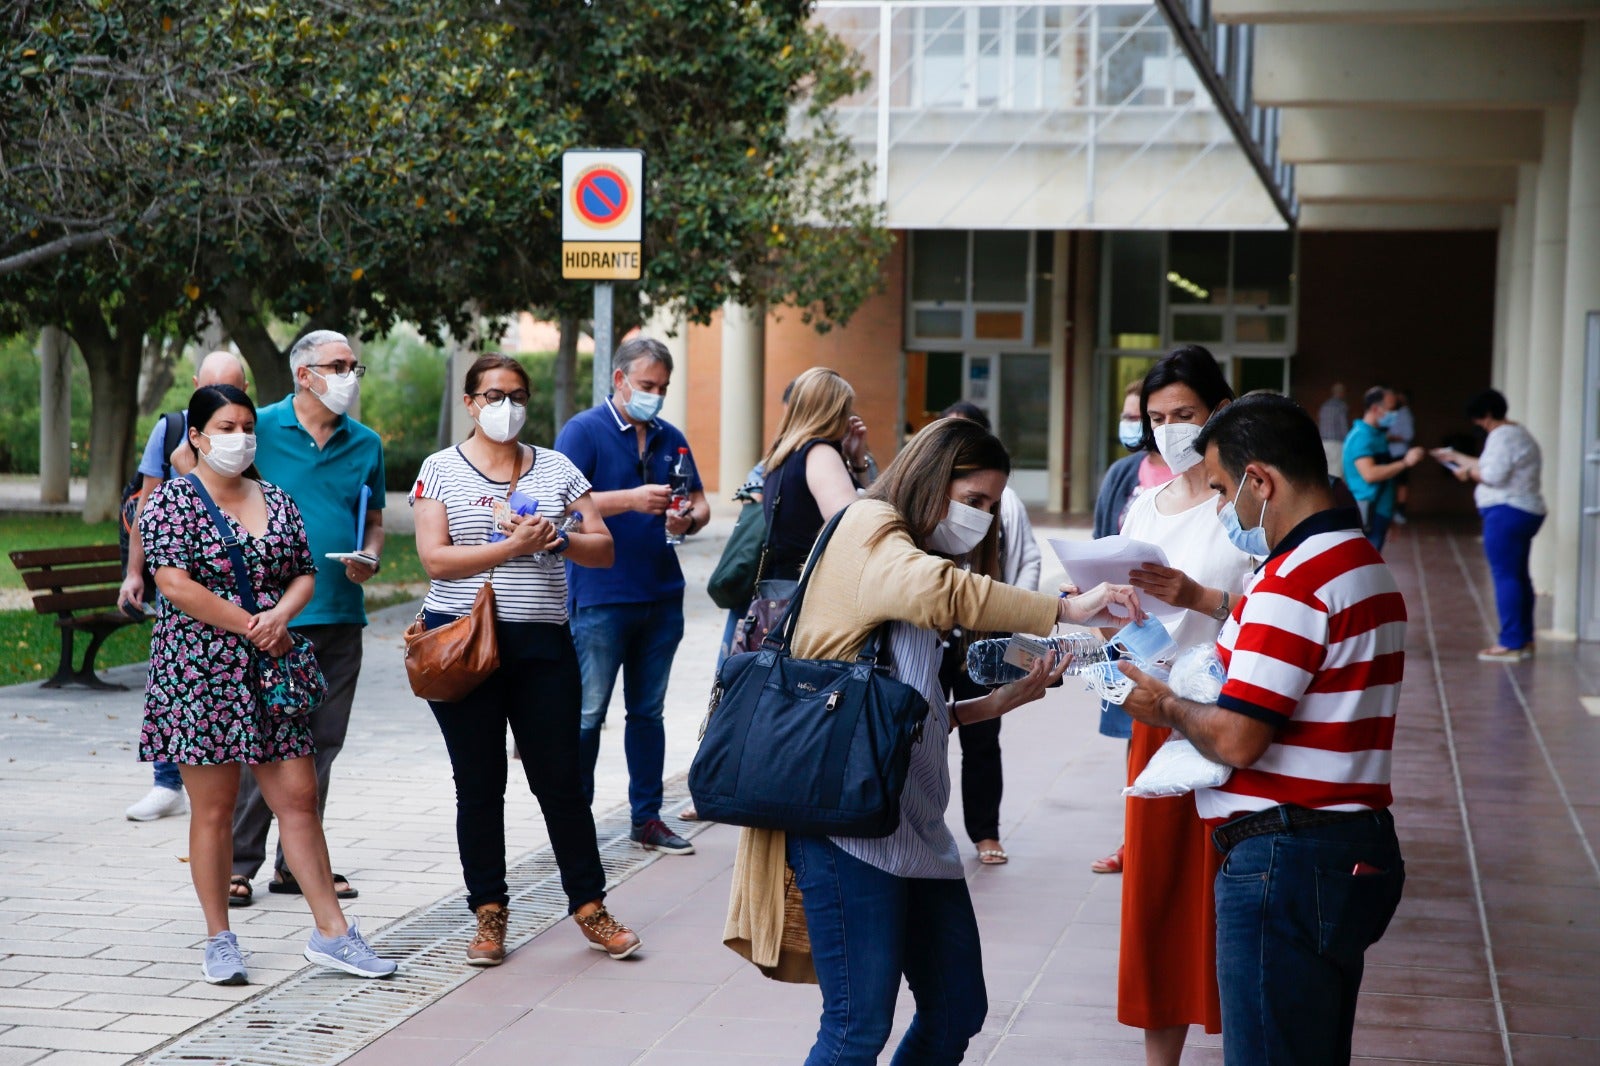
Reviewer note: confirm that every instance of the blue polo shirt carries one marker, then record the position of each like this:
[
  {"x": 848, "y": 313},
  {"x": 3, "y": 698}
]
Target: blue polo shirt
[
  {"x": 605, "y": 447},
  {"x": 325, "y": 483},
  {"x": 1372, "y": 442}
]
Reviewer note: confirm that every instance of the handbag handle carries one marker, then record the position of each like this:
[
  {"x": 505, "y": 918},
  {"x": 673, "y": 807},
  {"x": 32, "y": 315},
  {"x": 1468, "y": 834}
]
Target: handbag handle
[
  {"x": 778, "y": 639},
  {"x": 247, "y": 596}
]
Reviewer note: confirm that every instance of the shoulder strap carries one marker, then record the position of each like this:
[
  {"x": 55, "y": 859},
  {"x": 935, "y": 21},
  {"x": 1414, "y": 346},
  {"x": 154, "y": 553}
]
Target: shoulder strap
[
  {"x": 779, "y": 637},
  {"x": 173, "y": 423},
  {"x": 247, "y": 596}
]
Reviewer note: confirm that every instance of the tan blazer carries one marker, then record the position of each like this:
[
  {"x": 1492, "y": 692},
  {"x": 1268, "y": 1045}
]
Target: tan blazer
[{"x": 853, "y": 591}]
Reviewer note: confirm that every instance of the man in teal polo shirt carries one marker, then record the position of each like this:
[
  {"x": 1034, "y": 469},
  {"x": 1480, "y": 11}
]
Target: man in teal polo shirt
[
  {"x": 332, "y": 467},
  {"x": 1368, "y": 469}
]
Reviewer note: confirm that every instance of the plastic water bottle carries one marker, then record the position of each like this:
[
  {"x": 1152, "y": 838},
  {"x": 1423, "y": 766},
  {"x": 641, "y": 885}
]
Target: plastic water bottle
[
  {"x": 988, "y": 663},
  {"x": 682, "y": 474},
  {"x": 572, "y": 522}
]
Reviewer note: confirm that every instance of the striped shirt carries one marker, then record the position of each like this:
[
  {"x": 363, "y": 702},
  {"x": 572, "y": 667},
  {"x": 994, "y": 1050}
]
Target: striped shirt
[
  {"x": 524, "y": 590},
  {"x": 1317, "y": 648},
  {"x": 922, "y": 844}
]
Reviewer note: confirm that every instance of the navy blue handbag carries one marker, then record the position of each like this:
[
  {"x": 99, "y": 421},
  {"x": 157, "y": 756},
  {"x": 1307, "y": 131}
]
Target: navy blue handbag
[{"x": 818, "y": 746}]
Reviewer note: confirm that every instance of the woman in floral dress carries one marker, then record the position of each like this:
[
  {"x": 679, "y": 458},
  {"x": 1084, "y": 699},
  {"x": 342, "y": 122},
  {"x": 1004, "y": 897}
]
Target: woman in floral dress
[{"x": 201, "y": 710}]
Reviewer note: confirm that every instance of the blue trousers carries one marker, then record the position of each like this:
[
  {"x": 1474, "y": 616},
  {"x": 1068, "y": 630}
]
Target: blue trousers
[
  {"x": 1507, "y": 540},
  {"x": 1296, "y": 912},
  {"x": 867, "y": 928},
  {"x": 638, "y": 639}
]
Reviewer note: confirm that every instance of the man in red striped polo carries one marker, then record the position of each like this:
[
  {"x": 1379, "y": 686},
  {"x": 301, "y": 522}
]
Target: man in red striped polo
[{"x": 1314, "y": 653}]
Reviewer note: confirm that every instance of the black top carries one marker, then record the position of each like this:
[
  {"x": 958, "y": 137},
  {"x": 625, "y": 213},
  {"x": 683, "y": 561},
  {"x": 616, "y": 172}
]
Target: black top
[{"x": 793, "y": 527}]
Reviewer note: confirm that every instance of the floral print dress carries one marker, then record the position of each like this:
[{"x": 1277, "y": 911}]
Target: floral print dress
[{"x": 199, "y": 708}]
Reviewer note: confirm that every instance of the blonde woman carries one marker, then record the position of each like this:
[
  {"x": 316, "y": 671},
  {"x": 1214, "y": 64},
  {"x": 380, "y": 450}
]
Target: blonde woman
[{"x": 806, "y": 484}]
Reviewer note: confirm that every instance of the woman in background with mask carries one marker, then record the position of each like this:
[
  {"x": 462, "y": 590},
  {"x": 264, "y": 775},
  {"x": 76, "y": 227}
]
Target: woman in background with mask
[
  {"x": 1167, "y": 971},
  {"x": 201, "y": 709},
  {"x": 882, "y": 908},
  {"x": 491, "y": 510}
]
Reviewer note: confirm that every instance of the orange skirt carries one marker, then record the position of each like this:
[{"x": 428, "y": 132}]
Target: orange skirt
[{"x": 1167, "y": 971}]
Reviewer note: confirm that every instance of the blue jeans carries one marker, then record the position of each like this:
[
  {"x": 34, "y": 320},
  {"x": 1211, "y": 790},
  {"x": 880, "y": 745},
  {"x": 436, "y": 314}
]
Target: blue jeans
[
  {"x": 167, "y": 776},
  {"x": 1507, "y": 539},
  {"x": 1374, "y": 522},
  {"x": 1296, "y": 912},
  {"x": 867, "y": 928},
  {"x": 639, "y": 639}
]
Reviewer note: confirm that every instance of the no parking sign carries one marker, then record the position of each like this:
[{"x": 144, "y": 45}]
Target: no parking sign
[{"x": 602, "y": 213}]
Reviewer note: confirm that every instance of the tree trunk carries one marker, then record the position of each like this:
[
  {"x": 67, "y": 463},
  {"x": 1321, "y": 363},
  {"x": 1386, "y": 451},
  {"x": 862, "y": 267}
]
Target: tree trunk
[
  {"x": 269, "y": 364},
  {"x": 113, "y": 387},
  {"x": 566, "y": 370},
  {"x": 158, "y": 370}
]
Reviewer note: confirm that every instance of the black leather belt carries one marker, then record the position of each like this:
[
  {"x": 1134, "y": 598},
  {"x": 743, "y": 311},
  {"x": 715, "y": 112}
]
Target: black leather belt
[{"x": 1281, "y": 819}]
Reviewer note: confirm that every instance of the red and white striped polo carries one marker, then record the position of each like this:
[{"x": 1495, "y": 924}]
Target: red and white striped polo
[{"x": 1316, "y": 647}]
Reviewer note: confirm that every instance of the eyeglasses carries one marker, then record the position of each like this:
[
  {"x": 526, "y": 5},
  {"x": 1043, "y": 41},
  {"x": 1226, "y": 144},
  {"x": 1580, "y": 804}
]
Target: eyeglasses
[
  {"x": 518, "y": 397},
  {"x": 342, "y": 368}
]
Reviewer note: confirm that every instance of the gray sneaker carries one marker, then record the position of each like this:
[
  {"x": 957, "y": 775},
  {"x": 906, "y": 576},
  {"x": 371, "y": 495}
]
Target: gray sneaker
[
  {"x": 349, "y": 953},
  {"x": 223, "y": 964}
]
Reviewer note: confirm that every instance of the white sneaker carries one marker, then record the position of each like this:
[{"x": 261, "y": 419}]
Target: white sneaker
[{"x": 159, "y": 803}]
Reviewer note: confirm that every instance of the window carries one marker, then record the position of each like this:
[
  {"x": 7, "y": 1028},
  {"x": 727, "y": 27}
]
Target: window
[
  {"x": 992, "y": 57},
  {"x": 982, "y": 287}
]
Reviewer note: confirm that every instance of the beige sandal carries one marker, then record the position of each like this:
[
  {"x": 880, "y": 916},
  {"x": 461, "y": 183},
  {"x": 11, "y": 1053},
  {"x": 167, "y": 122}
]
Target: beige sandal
[{"x": 993, "y": 856}]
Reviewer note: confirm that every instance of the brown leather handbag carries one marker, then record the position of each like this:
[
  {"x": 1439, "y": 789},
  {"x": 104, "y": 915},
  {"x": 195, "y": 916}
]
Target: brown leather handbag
[{"x": 446, "y": 664}]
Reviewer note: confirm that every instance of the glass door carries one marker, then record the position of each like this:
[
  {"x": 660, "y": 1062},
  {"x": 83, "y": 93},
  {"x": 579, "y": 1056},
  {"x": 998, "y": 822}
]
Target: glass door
[{"x": 1021, "y": 414}]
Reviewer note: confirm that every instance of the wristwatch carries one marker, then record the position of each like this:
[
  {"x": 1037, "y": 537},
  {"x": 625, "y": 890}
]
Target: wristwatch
[
  {"x": 562, "y": 542},
  {"x": 1221, "y": 613}
]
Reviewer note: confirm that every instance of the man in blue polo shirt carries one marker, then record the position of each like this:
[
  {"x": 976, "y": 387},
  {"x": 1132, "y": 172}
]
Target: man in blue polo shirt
[
  {"x": 332, "y": 467},
  {"x": 1368, "y": 469},
  {"x": 630, "y": 617}
]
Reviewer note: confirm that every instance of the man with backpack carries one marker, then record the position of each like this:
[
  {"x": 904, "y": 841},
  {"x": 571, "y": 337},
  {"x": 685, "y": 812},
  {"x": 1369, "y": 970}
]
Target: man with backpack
[{"x": 166, "y": 455}]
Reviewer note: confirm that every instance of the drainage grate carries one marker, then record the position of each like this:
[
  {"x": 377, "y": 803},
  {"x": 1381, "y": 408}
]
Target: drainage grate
[{"x": 317, "y": 1017}]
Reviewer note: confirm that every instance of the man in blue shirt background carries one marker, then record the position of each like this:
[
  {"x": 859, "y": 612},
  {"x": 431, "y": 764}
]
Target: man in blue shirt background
[
  {"x": 1367, "y": 468},
  {"x": 308, "y": 446},
  {"x": 630, "y": 617}
]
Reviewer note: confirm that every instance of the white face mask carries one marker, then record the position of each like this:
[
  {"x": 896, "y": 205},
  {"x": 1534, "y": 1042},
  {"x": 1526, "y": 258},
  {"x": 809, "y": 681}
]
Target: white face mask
[
  {"x": 1175, "y": 442},
  {"x": 502, "y": 421},
  {"x": 340, "y": 391},
  {"x": 231, "y": 453},
  {"x": 960, "y": 530}
]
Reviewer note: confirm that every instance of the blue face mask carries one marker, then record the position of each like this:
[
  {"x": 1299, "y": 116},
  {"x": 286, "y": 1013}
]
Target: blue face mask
[
  {"x": 1386, "y": 420},
  {"x": 642, "y": 406},
  {"x": 1131, "y": 434},
  {"x": 1250, "y": 541}
]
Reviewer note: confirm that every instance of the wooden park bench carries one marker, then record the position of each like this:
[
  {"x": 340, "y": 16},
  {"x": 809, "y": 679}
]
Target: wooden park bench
[{"x": 79, "y": 586}]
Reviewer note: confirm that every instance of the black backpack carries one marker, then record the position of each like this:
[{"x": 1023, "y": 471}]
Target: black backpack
[{"x": 133, "y": 493}]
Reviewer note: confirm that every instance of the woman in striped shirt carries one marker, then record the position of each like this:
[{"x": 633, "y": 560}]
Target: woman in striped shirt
[
  {"x": 880, "y": 908},
  {"x": 490, "y": 509}
]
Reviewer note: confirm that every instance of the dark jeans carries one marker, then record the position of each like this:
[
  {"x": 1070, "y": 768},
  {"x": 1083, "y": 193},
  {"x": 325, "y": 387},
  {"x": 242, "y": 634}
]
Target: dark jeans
[
  {"x": 537, "y": 690},
  {"x": 1374, "y": 522},
  {"x": 1507, "y": 540},
  {"x": 338, "y": 649},
  {"x": 867, "y": 928},
  {"x": 982, "y": 779},
  {"x": 639, "y": 639},
  {"x": 1295, "y": 914}
]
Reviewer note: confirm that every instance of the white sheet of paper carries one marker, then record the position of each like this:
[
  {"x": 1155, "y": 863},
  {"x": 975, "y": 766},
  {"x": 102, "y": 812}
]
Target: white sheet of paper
[{"x": 1089, "y": 562}]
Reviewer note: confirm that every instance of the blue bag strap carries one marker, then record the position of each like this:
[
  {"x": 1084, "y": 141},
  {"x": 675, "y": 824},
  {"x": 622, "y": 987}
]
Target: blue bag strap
[{"x": 247, "y": 596}]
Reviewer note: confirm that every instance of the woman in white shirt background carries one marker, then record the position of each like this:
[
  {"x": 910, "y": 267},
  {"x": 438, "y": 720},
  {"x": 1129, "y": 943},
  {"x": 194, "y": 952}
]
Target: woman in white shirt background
[{"x": 1508, "y": 498}]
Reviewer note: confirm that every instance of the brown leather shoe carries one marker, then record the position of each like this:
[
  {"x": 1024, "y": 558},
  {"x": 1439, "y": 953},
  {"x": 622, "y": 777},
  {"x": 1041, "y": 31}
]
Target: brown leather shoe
[
  {"x": 488, "y": 948},
  {"x": 605, "y": 933}
]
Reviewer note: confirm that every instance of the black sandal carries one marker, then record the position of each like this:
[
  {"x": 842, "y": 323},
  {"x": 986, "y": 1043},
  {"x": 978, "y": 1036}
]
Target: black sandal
[
  {"x": 245, "y": 898},
  {"x": 285, "y": 883}
]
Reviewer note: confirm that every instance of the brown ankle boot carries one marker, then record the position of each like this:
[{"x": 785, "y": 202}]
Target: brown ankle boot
[
  {"x": 606, "y": 934},
  {"x": 488, "y": 947}
]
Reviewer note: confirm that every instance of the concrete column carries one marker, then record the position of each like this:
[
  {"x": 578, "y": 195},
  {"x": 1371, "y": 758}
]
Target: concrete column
[
  {"x": 744, "y": 373},
  {"x": 55, "y": 415},
  {"x": 1546, "y": 325},
  {"x": 1564, "y": 455},
  {"x": 355, "y": 349},
  {"x": 1060, "y": 366},
  {"x": 1502, "y": 293},
  {"x": 1519, "y": 299},
  {"x": 667, "y": 325},
  {"x": 462, "y": 356},
  {"x": 1084, "y": 486}
]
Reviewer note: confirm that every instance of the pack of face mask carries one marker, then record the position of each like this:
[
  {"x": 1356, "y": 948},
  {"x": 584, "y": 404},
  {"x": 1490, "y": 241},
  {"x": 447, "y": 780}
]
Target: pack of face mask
[{"x": 1177, "y": 766}]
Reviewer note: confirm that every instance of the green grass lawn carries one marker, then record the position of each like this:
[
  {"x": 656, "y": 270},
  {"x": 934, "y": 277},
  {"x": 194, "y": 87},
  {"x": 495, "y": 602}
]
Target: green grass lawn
[{"x": 25, "y": 532}]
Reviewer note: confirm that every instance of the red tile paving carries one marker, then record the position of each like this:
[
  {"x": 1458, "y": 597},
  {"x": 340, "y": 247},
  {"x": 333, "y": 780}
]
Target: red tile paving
[{"x": 1494, "y": 956}]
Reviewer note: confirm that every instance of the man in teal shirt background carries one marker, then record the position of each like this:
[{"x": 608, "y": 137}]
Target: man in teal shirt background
[
  {"x": 1368, "y": 470},
  {"x": 332, "y": 467}
]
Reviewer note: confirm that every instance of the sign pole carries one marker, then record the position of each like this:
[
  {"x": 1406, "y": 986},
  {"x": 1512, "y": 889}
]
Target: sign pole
[{"x": 602, "y": 341}]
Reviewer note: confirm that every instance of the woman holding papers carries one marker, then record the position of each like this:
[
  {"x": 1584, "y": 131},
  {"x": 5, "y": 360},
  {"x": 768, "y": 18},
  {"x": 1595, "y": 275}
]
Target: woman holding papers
[{"x": 1167, "y": 977}]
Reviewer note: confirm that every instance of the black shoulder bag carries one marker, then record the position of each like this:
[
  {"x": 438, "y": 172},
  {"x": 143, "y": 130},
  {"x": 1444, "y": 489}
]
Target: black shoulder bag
[{"x": 818, "y": 746}]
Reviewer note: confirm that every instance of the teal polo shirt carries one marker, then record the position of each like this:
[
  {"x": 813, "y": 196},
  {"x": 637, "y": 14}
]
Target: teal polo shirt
[
  {"x": 1373, "y": 443},
  {"x": 325, "y": 483}
]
